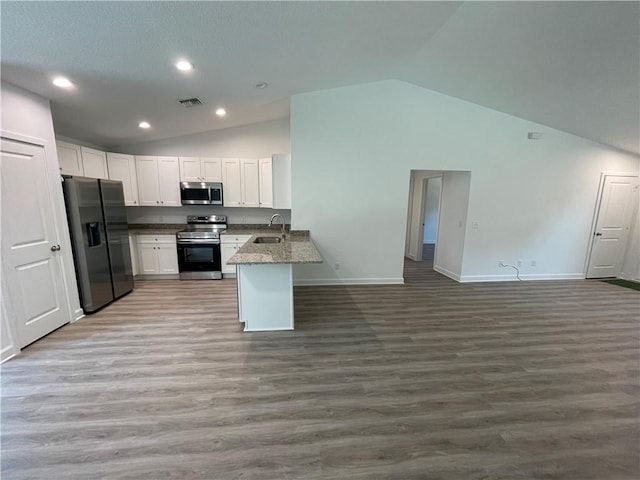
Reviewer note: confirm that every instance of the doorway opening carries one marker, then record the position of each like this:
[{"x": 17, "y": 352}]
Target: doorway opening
[
  {"x": 423, "y": 215},
  {"x": 432, "y": 188},
  {"x": 436, "y": 223}
]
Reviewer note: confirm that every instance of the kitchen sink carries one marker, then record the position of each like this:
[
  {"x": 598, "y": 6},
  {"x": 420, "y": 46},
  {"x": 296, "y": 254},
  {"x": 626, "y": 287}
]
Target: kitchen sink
[{"x": 267, "y": 240}]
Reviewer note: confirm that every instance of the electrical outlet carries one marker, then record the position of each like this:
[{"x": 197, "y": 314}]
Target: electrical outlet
[
  {"x": 534, "y": 263},
  {"x": 501, "y": 263},
  {"x": 337, "y": 266},
  {"x": 519, "y": 263}
]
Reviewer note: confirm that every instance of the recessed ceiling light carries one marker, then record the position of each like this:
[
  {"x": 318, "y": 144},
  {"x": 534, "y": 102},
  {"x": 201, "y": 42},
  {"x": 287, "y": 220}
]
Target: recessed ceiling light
[
  {"x": 221, "y": 112},
  {"x": 261, "y": 85},
  {"x": 144, "y": 125},
  {"x": 184, "y": 65},
  {"x": 62, "y": 82}
]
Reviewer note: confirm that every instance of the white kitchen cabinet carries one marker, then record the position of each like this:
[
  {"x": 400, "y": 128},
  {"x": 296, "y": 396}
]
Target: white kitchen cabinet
[
  {"x": 190, "y": 169},
  {"x": 158, "y": 181},
  {"x": 157, "y": 255},
  {"x": 250, "y": 177},
  {"x": 229, "y": 244},
  {"x": 69, "y": 159},
  {"x": 122, "y": 167},
  {"x": 169, "y": 175},
  {"x": 211, "y": 169},
  {"x": 94, "y": 163},
  {"x": 231, "y": 182},
  {"x": 200, "y": 169},
  {"x": 266, "y": 182},
  {"x": 241, "y": 182}
]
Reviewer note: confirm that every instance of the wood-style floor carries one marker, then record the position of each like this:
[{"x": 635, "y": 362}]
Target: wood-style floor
[{"x": 428, "y": 380}]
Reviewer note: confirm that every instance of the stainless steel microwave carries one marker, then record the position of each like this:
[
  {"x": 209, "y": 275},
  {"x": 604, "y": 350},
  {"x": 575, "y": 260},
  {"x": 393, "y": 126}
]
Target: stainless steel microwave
[{"x": 201, "y": 193}]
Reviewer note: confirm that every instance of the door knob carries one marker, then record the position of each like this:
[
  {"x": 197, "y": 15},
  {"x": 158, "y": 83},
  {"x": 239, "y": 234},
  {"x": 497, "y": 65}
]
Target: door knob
[
  {"x": 598, "y": 234},
  {"x": 55, "y": 248}
]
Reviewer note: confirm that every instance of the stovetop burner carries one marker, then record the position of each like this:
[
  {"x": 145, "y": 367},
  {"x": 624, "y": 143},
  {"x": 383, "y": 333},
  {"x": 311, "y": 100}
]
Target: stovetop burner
[{"x": 205, "y": 227}]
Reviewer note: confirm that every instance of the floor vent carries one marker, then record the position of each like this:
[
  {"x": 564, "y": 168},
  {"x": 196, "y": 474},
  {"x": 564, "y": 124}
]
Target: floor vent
[{"x": 190, "y": 102}]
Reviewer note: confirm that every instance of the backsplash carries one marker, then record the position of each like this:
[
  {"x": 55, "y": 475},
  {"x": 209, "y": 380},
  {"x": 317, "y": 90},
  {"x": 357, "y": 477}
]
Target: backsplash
[{"x": 178, "y": 215}]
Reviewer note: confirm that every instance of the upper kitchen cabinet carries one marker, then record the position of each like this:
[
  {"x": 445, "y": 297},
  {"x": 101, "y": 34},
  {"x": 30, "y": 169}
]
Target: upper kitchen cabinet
[
  {"x": 158, "y": 181},
  {"x": 200, "y": 169},
  {"x": 266, "y": 182},
  {"x": 81, "y": 161},
  {"x": 250, "y": 180},
  {"x": 211, "y": 169},
  {"x": 123, "y": 168},
  {"x": 241, "y": 184},
  {"x": 231, "y": 182},
  {"x": 69, "y": 158},
  {"x": 275, "y": 181},
  {"x": 94, "y": 163}
]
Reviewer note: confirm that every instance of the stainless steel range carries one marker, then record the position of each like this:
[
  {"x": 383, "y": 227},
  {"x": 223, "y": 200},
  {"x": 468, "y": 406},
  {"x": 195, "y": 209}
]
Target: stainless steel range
[{"x": 199, "y": 248}]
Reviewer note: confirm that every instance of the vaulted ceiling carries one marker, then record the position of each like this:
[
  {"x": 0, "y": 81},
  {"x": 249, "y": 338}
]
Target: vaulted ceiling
[{"x": 574, "y": 66}]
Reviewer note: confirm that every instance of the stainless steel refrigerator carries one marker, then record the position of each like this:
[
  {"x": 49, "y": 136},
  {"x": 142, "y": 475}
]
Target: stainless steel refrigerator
[{"x": 100, "y": 240}]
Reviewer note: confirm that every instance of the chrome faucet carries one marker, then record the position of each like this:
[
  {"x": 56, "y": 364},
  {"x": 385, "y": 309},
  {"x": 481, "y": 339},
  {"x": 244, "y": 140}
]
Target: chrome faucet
[{"x": 281, "y": 218}]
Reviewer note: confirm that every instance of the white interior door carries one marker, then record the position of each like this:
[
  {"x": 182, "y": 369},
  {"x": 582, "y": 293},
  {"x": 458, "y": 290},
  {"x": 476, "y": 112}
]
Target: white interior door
[
  {"x": 30, "y": 263},
  {"x": 618, "y": 201}
]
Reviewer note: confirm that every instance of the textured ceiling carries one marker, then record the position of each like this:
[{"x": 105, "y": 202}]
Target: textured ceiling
[{"x": 573, "y": 66}]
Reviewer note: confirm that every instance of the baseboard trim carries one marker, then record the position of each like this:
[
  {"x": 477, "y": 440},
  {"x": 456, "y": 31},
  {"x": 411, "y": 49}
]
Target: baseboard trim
[
  {"x": 525, "y": 277},
  {"x": 317, "y": 282},
  {"x": 8, "y": 353},
  {"x": 167, "y": 276},
  {"x": 77, "y": 315},
  {"x": 447, "y": 273}
]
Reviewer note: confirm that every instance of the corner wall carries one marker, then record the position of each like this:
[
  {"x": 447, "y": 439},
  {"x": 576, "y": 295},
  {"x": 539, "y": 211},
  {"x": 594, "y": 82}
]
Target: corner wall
[
  {"x": 353, "y": 149},
  {"x": 451, "y": 224}
]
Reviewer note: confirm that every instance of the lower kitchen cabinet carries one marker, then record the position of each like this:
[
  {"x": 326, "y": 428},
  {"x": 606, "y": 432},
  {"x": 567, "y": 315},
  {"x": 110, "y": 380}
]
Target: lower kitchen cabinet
[
  {"x": 229, "y": 244},
  {"x": 157, "y": 255}
]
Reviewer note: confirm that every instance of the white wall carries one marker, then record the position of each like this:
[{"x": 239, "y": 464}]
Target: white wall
[
  {"x": 453, "y": 218},
  {"x": 432, "y": 205},
  {"x": 29, "y": 115},
  {"x": 179, "y": 214},
  {"x": 255, "y": 140},
  {"x": 353, "y": 149}
]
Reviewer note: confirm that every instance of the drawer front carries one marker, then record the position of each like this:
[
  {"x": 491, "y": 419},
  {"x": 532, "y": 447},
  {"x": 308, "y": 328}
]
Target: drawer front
[
  {"x": 241, "y": 239},
  {"x": 166, "y": 239}
]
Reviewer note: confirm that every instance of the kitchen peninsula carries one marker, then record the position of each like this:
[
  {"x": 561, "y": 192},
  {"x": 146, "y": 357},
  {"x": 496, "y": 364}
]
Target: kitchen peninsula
[{"x": 265, "y": 278}]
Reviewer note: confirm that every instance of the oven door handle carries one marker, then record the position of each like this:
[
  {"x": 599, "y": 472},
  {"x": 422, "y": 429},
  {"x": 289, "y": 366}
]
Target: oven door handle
[{"x": 200, "y": 241}]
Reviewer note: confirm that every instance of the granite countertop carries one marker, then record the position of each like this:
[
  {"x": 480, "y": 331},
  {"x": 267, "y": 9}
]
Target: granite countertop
[
  {"x": 297, "y": 247},
  {"x": 155, "y": 228}
]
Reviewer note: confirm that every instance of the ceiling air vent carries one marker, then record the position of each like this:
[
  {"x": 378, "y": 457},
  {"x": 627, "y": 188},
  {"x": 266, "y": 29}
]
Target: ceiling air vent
[{"x": 190, "y": 102}]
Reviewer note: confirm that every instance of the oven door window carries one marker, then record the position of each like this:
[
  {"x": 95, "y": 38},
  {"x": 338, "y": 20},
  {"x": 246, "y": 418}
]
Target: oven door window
[
  {"x": 194, "y": 194},
  {"x": 199, "y": 258}
]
